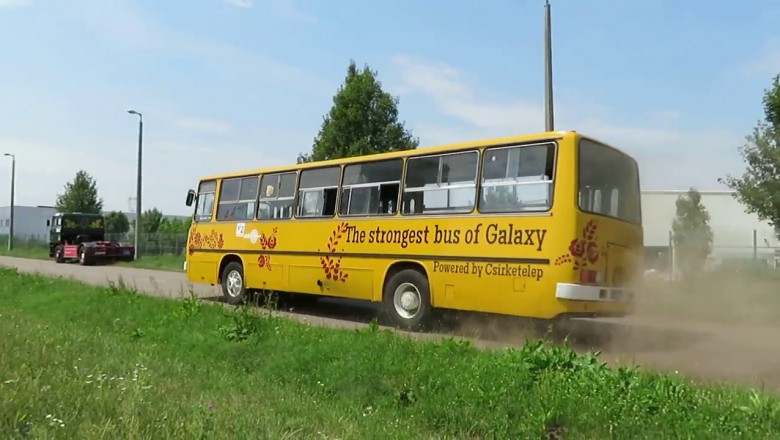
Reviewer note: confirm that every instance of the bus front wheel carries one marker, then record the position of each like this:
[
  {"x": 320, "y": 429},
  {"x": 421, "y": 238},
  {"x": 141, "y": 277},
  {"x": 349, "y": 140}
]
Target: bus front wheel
[
  {"x": 233, "y": 287},
  {"x": 407, "y": 299}
]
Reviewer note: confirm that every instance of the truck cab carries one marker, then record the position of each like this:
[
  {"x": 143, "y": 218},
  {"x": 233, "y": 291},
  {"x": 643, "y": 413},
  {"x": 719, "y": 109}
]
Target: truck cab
[{"x": 82, "y": 236}]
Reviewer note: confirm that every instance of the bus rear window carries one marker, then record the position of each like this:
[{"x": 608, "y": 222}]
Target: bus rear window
[{"x": 608, "y": 182}]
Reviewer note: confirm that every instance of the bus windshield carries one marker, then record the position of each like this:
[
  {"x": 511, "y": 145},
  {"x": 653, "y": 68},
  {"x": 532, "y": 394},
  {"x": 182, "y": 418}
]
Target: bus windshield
[{"x": 608, "y": 182}]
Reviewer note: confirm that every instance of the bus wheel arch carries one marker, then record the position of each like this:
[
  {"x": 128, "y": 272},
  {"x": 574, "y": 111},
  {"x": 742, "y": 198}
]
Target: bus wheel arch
[
  {"x": 231, "y": 277},
  {"x": 406, "y": 295}
]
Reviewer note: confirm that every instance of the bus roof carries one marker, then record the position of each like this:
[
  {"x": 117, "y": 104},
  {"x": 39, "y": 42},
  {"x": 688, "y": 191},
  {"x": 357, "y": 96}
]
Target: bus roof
[{"x": 541, "y": 136}]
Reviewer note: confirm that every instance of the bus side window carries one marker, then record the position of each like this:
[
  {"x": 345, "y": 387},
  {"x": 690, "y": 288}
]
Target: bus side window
[
  {"x": 276, "y": 198},
  {"x": 441, "y": 183},
  {"x": 517, "y": 178},
  {"x": 371, "y": 188},
  {"x": 237, "y": 199},
  {"x": 204, "y": 202},
  {"x": 317, "y": 192}
]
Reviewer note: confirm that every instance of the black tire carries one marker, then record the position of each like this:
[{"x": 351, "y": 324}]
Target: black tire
[
  {"x": 83, "y": 258},
  {"x": 416, "y": 315},
  {"x": 58, "y": 258},
  {"x": 233, "y": 284}
]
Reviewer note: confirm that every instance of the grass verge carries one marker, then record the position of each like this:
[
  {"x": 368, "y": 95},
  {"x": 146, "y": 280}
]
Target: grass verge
[
  {"x": 80, "y": 361},
  {"x": 171, "y": 263}
]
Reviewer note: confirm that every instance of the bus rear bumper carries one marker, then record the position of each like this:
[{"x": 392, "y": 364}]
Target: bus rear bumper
[{"x": 580, "y": 292}]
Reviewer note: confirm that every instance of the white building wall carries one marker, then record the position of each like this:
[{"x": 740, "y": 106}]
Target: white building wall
[
  {"x": 29, "y": 222},
  {"x": 731, "y": 225}
]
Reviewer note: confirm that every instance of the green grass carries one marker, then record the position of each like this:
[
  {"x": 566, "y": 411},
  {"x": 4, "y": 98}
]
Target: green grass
[
  {"x": 168, "y": 262},
  {"x": 88, "y": 362}
]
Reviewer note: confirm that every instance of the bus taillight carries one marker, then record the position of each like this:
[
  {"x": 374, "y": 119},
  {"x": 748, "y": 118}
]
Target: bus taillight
[{"x": 589, "y": 276}]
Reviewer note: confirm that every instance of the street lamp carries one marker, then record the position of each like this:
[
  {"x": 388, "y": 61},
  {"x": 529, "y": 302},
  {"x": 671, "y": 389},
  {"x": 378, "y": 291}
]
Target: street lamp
[
  {"x": 138, "y": 179},
  {"x": 13, "y": 183}
]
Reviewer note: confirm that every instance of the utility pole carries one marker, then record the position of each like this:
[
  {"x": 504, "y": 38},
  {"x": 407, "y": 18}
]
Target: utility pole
[
  {"x": 549, "y": 120},
  {"x": 138, "y": 182},
  {"x": 13, "y": 184}
]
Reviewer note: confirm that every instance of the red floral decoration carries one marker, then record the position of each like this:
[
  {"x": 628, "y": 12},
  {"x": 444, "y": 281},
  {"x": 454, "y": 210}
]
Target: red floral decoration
[
  {"x": 266, "y": 243},
  {"x": 332, "y": 266},
  {"x": 583, "y": 251},
  {"x": 212, "y": 240}
]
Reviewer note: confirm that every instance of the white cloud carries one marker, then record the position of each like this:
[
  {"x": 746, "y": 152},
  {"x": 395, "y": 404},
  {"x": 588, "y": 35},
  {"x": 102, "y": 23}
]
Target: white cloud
[
  {"x": 669, "y": 158},
  {"x": 120, "y": 21},
  {"x": 212, "y": 126},
  {"x": 767, "y": 62},
  {"x": 288, "y": 9},
  {"x": 240, "y": 3},
  {"x": 14, "y": 3}
]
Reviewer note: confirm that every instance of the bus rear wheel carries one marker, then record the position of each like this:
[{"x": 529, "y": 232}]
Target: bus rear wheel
[{"x": 407, "y": 299}]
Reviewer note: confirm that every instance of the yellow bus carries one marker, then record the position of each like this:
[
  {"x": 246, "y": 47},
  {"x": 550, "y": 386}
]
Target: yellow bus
[{"x": 543, "y": 226}]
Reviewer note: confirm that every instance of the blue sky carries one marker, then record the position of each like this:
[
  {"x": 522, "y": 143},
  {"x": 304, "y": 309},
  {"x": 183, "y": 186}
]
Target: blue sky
[{"x": 233, "y": 84}]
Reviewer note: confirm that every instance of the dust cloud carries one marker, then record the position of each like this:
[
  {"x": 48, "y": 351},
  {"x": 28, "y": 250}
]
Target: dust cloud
[{"x": 723, "y": 326}]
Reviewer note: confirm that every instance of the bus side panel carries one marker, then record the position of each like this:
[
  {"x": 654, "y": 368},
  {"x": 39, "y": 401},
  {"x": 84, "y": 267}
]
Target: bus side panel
[
  {"x": 301, "y": 256},
  {"x": 505, "y": 270},
  {"x": 201, "y": 266}
]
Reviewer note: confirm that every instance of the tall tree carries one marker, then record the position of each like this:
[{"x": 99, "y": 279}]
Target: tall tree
[
  {"x": 81, "y": 195},
  {"x": 759, "y": 187},
  {"x": 151, "y": 219},
  {"x": 691, "y": 234},
  {"x": 362, "y": 120},
  {"x": 117, "y": 223}
]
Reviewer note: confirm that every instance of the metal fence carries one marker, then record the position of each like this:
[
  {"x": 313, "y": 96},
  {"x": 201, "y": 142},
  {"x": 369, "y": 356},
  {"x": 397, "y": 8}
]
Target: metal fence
[
  {"x": 148, "y": 244},
  {"x": 731, "y": 249}
]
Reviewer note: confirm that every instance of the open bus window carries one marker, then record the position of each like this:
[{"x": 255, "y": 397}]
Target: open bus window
[
  {"x": 443, "y": 183},
  {"x": 517, "y": 179},
  {"x": 371, "y": 188},
  {"x": 317, "y": 192},
  {"x": 277, "y": 194},
  {"x": 237, "y": 199},
  {"x": 204, "y": 204}
]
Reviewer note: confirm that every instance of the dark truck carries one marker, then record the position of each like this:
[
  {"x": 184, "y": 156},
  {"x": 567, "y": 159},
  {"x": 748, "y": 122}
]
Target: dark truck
[{"x": 82, "y": 237}]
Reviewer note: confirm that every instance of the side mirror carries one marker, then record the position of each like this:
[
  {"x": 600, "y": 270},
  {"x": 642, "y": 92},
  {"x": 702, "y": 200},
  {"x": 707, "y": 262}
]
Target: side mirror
[
  {"x": 48, "y": 223},
  {"x": 190, "y": 197}
]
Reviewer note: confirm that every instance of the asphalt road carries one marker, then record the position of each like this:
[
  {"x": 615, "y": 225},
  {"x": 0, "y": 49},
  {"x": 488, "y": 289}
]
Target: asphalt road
[{"x": 749, "y": 354}]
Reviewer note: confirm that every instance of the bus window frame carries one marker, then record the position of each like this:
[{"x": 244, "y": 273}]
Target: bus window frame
[
  {"x": 261, "y": 198},
  {"x": 198, "y": 199},
  {"x": 578, "y": 197},
  {"x": 301, "y": 192},
  {"x": 422, "y": 189},
  {"x": 253, "y": 200},
  {"x": 552, "y": 183},
  {"x": 378, "y": 185}
]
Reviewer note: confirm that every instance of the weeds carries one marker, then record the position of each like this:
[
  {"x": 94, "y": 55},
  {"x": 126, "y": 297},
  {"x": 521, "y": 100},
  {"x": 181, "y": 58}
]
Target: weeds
[
  {"x": 242, "y": 325},
  {"x": 119, "y": 287},
  {"x": 189, "y": 306}
]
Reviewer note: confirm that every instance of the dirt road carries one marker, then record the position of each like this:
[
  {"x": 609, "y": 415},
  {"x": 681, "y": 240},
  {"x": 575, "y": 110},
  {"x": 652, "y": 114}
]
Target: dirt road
[{"x": 702, "y": 349}]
